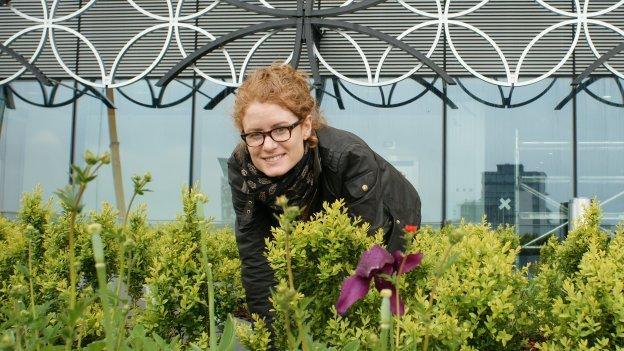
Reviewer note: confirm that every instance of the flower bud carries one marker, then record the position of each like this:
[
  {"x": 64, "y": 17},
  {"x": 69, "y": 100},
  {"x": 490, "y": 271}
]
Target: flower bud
[
  {"x": 455, "y": 237},
  {"x": 128, "y": 243},
  {"x": 6, "y": 340},
  {"x": 385, "y": 293},
  {"x": 281, "y": 201},
  {"x": 147, "y": 177},
  {"x": 200, "y": 198},
  {"x": 105, "y": 158},
  {"x": 90, "y": 158},
  {"x": 372, "y": 339},
  {"x": 94, "y": 228}
]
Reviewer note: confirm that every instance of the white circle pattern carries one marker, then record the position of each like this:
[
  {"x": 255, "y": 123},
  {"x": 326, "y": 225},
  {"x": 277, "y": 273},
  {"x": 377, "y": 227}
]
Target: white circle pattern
[{"x": 442, "y": 19}]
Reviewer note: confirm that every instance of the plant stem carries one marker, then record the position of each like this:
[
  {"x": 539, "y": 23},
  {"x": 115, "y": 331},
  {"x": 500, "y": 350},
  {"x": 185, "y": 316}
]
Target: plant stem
[
  {"x": 291, "y": 279},
  {"x": 436, "y": 278},
  {"x": 72, "y": 259},
  {"x": 30, "y": 279},
  {"x": 398, "y": 300},
  {"x": 125, "y": 221},
  {"x": 291, "y": 283},
  {"x": 30, "y": 283},
  {"x": 100, "y": 267},
  {"x": 385, "y": 320},
  {"x": 123, "y": 228},
  {"x": 72, "y": 278},
  {"x": 211, "y": 314}
]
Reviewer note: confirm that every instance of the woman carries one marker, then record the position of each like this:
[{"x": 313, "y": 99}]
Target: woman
[{"x": 289, "y": 150}]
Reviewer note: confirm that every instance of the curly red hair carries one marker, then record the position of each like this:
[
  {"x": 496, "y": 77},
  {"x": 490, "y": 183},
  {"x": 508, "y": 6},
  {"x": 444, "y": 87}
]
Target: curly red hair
[{"x": 282, "y": 85}]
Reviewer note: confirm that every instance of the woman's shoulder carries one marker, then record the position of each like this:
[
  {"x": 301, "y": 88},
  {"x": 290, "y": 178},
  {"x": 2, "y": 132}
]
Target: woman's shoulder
[
  {"x": 337, "y": 139},
  {"x": 338, "y": 148},
  {"x": 237, "y": 157}
]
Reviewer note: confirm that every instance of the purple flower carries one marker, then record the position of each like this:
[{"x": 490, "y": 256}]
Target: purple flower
[{"x": 373, "y": 264}]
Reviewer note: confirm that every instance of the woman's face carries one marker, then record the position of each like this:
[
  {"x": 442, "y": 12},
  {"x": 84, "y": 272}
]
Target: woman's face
[{"x": 275, "y": 158}]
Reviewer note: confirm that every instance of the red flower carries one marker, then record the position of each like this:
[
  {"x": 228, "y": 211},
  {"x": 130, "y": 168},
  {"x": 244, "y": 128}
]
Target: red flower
[{"x": 410, "y": 228}]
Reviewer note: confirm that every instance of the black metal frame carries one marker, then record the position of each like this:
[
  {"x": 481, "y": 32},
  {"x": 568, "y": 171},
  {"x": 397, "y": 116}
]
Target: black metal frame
[
  {"x": 599, "y": 62},
  {"x": 387, "y": 102},
  {"x": 583, "y": 87},
  {"x": 29, "y": 66},
  {"x": 307, "y": 21},
  {"x": 49, "y": 97},
  {"x": 505, "y": 100}
]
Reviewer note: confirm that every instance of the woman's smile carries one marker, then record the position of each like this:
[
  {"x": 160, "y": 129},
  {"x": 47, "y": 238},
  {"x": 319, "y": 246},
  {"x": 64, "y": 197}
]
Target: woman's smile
[{"x": 272, "y": 159}]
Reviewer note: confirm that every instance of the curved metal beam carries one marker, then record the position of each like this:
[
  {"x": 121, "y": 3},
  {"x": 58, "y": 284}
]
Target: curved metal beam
[
  {"x": 388, "y": 39},
  {"x": 337, "y": 11},
  {"x": 219, "y": 97},
  {"x": 298, "y": 44},
  {"x": 601, "y": 60},
  {"x": 310, "y": 43},
  {"x": 264, "y": 10},
  {"x": 208, "y": 48},
  {"x": 29, "y": 66},
  {"x": 9, "y": 101},
  {"x": 48, "y": 100},
  {"x": 505, "y": 100}
]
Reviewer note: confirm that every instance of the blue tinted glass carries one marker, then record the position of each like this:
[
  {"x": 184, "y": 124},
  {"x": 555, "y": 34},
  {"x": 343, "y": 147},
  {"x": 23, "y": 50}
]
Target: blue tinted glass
[
  {"x": 409, "y": 136},
  {"x": 150, "y": 139},
  {"x": 600, "y": 113},
  {"x": 34, "y": 144},
  {"x": 510, "y": 156},
  {"x": 215, "y": 138}
]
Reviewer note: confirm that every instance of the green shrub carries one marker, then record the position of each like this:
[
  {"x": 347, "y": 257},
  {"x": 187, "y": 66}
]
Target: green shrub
[
  {"x": 583, "y": 297},
  {"x": 167, "y": 257},
  {"x": 479, "y": 302},
  {"x": 176, "y": 294}
]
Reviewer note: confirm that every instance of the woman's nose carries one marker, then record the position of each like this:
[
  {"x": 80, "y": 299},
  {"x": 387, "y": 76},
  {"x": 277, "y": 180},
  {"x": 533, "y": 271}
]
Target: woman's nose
[{"x": 269, "y": 143}]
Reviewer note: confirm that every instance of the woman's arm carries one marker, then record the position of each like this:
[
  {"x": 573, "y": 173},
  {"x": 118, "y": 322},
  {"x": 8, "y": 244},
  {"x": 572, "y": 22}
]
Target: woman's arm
[{"x": 253, "y": 224}]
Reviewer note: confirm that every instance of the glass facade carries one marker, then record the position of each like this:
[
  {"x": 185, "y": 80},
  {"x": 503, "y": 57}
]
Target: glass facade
[
  {"x": 35, "y": 143},
  {"x": 510, "y": 161},
  {"x": 600, "y": 111},
  {"x": 151, "y": 139},
  {"x": 471, "y": 150}
]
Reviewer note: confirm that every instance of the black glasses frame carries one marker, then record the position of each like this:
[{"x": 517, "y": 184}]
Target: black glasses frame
[{"x": 269, "y": 133}]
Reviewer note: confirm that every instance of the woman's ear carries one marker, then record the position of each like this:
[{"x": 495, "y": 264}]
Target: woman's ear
[{"x": 306, "y": 127}]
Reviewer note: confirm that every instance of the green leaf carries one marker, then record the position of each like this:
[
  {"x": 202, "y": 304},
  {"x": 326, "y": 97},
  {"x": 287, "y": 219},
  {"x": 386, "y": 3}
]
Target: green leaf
[
  {"x": 96, "y": 345},
  {"x": 354, "y": 345},
  {"x": 228, "y": 337}
]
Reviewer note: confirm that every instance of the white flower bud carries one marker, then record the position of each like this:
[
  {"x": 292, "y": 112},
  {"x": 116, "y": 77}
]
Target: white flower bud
[{"x": 94, "y": 228}]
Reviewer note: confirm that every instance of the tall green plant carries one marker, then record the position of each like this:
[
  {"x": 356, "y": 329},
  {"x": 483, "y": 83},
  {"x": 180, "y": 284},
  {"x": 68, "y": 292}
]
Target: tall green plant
[{"x": 71, "y": 200}]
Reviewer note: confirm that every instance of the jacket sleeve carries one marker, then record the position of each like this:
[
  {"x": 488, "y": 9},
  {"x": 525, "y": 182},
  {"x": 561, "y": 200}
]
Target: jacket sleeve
[
  {"x": 252, "y": 225},
  {"x": 362, "y": 187}
]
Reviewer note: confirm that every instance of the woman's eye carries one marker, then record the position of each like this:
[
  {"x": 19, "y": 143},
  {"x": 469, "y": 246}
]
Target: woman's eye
[
  {"x": 254, "y": 136},
  {"x": 280, "y": 131}
]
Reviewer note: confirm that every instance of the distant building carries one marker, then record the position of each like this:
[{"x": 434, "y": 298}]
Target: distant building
[{"x": 499, "y": 198}]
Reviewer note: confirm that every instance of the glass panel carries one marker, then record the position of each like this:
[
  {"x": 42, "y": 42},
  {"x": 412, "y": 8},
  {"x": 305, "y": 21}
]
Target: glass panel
[
  {"x": 150, "y": 139},
  {"x": 409, "y": 136},
  {"x": 600, "y": 113},
  {"x": 215, "y": 139},
  {"x": 510, "y": 155},
  {"x": 34, "y": 143}
]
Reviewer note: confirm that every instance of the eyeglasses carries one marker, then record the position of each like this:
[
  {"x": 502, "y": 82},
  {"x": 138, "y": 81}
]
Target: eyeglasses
[{"x": 279, "y": 134}]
